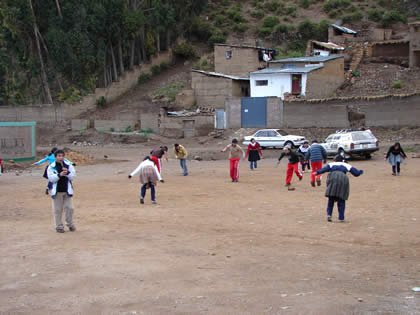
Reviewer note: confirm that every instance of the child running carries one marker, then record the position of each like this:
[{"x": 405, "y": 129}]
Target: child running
[
  {"x": 157, "y": 154},
  {"x": 395, "y": 157},
  {"x": 149, "y": 175},
  {"x": 316, "y": 154},
  {"x": 235, "y": 152},
  {"x": 1, "y": 166},
  {"x": 181, "y": 154},
  {"x": 304, "y": 163},
  {"x": 338, "y": 186},
  {"x": 253, "y": 153},
  {"x": 293, "y": 166},
  {"x": 50, "y": 158}
]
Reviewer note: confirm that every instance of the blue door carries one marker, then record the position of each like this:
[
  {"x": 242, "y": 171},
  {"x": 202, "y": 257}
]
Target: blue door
[{"x": 254, "y": 112}]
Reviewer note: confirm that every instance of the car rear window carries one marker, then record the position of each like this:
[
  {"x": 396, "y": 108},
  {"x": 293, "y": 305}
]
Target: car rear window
[{"x": 365, "y": 135}]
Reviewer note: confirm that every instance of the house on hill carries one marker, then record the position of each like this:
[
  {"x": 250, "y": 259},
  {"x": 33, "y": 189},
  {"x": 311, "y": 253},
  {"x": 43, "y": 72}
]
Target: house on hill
[
  {"x": 310, "y": 77},
  {"x": 340, "y": 34},
  {"x": 239, "y": 60},
  {"x": 414, "y": 53}
]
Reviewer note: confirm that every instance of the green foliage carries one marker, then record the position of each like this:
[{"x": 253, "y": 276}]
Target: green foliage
[
  {"x": 240, "y": 27},
  {"x": 355, "y": 73},
  {"x": 144, "y": 77},
  {"x": 264, "y": 31},
  {"x": 128, "y": 129},
  {"x": 284, "y": 32},
  {"x": 101, "y": 102},
  {"x": 111, "y": 129},
  {"x": 354, "y": 17},
  {"x": 274, "y": 5},
  {"x": 145, "y": 132},
  {"x": 219, "y": 19},
  {"x": 270, "y": 21},
  {"x": 397, "y": 84},
  {"x": 218, "y": 37},
  {"x": 185, "y": 50},
  {"x": 305, "y": 3},
  {"x": 290, "y": 10},
  {"x": 156, "y": 69},
  {"x": 200, "y": 29},
  {"x": 150, "y": 44},
  {"x": 375, "y": 15},
  {"x": 258, "y": 14},
  {"x": 169, "y": 92},
  {"x": 204, "y": 64},
  {"x": 336, "y": 4},
  {"x": 70, "y": 95},
  {"x": 164, "y": 66},
  {"x": 393, "y": 17},
  {"x": 235, "y": 14},
  {"x": 288, "y": 53}
]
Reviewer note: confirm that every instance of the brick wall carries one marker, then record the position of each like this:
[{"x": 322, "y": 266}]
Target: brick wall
[
  {"x": 243, "y": 61},
  {"x": 211, "y": 91}
]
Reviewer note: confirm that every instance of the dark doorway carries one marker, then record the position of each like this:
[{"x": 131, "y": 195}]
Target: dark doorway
[{"x": 296, "y": 84}]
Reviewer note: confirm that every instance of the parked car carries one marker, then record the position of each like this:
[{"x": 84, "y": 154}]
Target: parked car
[
  {"x": 272, "y": 138},
  {"x": 353, "y": 142}
]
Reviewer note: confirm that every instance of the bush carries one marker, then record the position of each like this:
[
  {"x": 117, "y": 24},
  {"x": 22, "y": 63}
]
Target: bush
[
  {"x": 393, "y": 17},
  {"x": 226, "y": 3},
  {"x": 336, "y": 4},
  {"x": 240, "y": 28},
  {"x": 143, "y": 77},
  {"x": 355, "y": 17},
  {"x": 219, "y": 19},
  {"x": 274, "y": 5},
  {"x": 170, "y": 92},
  {"x": 258, "y": 14},
  {"x": 355, "y": 73},
  {"x": 270, "y": 21},
  {"x": 235, "y": 14},
  {"x": 164, "y": 66},
  {"x": 204, "y": 64},
  {"x": 128, "y": 129},
  {"x": 284, "y": 32},
  {"x": 290, "y": 10},
  {"x": 305, "y": 3},
  {"x": 185, "y": 51},
  {"x": 200, "y": 29},
  {"x": 264, "y": 31},
  {"x": 397, "y": 84},
  {"x": 101, "y": 102},
  {"x": 156, "y": 70},
  {"x": 70, "y": 95},
  {"x": 217, "y": 38},
  {"x": 375, "y": 15}
]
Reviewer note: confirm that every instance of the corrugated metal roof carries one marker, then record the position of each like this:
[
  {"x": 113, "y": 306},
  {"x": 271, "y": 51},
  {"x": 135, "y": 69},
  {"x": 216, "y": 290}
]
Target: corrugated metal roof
[
  {"x": 244, "y": 46},
  {"x": 309, "y": 59},
  {"x": 343, "y": 29},
  {"x": 328, "y": 45},
  {"x": 390, "y": 42},
  {"x": 220, "y": 75},
  {"x": 288, "y": 70}
]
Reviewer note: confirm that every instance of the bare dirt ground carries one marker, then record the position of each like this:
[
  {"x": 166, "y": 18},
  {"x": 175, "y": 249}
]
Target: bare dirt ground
[{"x": 210, "y": 246}]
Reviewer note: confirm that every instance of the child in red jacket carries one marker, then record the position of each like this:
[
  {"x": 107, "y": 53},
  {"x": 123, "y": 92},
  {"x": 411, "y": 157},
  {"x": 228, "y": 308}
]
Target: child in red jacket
[
  {"x": 1, "y": 166},
  {"x": 253, "y": 153}
]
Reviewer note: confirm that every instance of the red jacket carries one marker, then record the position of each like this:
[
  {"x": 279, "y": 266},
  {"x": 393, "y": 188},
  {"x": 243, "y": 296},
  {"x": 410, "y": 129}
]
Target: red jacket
[{"x": 256, "y": 146}]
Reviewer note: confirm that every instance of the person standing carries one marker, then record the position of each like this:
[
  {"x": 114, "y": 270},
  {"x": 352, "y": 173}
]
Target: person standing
[
  {"x": 181, "y": 154},
  {"x": 293, "y": 165},
  {"x": 338, "y": 185},
  {"x": 253, "y": 153},
  {"x": 235, "y": 152},
  {"x": 304, "y": 149},
  {"x": 316, "y": 154},
  {"x": 149, "y": 175},
  {"x": 1, "y": 166},
  {"x": 395, "y": 157},
  {"x": 157, "y": 155},
  {"x": 61, "y": 175}
]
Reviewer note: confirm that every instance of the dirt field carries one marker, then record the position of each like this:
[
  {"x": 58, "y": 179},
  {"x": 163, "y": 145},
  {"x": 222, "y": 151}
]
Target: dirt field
[{"x": 211, "y": 246}]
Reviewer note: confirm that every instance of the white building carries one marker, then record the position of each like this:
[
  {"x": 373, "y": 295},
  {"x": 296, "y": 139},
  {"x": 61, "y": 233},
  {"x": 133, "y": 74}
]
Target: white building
[{"x": 275, "y": 82}]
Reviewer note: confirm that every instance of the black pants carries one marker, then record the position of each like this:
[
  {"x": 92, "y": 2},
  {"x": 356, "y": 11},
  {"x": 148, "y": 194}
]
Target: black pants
[{"x": 396, "y": 167}]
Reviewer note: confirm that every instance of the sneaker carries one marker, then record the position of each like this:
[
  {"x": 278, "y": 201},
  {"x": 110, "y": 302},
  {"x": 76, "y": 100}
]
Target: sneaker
[
  {"x": 72, "y": 228},
  {"x": 398, "y": 174},
  {"x": 313, "y": 184},
  {"x": 186, "y": 174},
  {"x": 46, "y": 191},
  {"x": 141, "y": 201},
  {"x": 291, "y": 188},
  {"x": 393, "y": 174},
  {"x": 318, "y": 182},
  {"x": 287, "y": 185},
  {"x": 329, "y": 219},
  {"x": 342, "y": 221},
  {"x": 154, "y": 202},
  {"x": 300, "y": 178},
  {"x": 60, "y": 230}
]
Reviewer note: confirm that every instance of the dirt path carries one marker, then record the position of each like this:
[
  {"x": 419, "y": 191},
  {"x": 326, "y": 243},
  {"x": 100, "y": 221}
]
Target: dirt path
[{"x": 211, "y": 246}]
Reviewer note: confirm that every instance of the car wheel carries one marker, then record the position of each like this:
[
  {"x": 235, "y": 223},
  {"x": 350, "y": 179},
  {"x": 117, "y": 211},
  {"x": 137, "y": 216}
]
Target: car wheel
[
  {"x": 368, "y": 156},
  {"x": 289, "y": 143},
  {"x": 341, "y": 152}
]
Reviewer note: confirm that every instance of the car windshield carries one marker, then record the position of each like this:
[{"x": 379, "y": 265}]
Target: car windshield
[{"x": 365, "y": 135}]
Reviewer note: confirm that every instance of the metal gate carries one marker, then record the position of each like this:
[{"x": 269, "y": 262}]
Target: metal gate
[
  {"x": 220, "y": 119},
  {"x": 254, "y": 112},
  {"x": 189, "y": 130}
]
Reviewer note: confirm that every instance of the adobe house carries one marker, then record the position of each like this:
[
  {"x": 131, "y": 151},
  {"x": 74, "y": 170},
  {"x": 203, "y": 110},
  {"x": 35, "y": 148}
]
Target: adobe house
[
  {"x": 316, "y": 48},
  {"x": 239, "y": 60},
  {"x": 211, "y": 88},
  {"x": 394, "y": 51},
  {"x": 340, "y": 34},
  {"x": 414, "y": 53},
  {"x": 310, "y": 77}
]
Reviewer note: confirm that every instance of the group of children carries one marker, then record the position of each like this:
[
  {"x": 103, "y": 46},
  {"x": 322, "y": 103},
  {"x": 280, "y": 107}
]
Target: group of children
[{"x": 61, "y": 173}]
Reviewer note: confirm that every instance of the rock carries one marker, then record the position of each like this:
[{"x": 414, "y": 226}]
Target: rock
[
  {"x": 120, "y": 172},
  {"x": 198, "y": 158},
  {"x": 34, "y": 275},
  {"x": 360, "y": 299}
]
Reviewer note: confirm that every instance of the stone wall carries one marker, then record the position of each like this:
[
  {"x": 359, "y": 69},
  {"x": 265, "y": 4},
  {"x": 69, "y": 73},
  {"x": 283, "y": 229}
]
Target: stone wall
[
  {"x": 243, "y": 60},
  {"x": 173, "y": 126},
  {"x": 414, "y": 45},
  {"x": 323, "y": 82},
  {"x": 390, "y": 50},
  {"x": 17, "y": 141},
  {"x": 211, "y": 91}
]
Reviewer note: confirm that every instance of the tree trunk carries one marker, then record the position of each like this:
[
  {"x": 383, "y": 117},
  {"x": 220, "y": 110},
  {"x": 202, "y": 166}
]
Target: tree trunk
[
  {"x": 168, "y": 39},
  {"x": 139, "y": 56},
  {"x": 132, "y": 53},
  {"x": 120, "y": 54},
  {"x": 114, "y": 64},
  {"x": 44, "y": 77},
  {"x": 57, "y": 2},
  {"x": 142, "y": 47},
  {"x": 158, "y": 42}
]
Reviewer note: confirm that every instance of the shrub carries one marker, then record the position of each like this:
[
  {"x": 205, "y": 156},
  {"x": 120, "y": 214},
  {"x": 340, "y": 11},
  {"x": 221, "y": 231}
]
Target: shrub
[
  {"x": 170, "y": 92},
  {"x": 204, "y": 64},
  {"x": 70, "y": 95},
  {"x": 336, "y": 4},
  {"x": 128, "y": 129},
  {"x": 101, "y": 102},
  {"x": 185, "y": 51},
  {"x": 270, "y": 21},
  {"x": 200, "y": 29},
  {"x": 397, "y": 84},
  {"x": 393, "y": 17},
  {"x": 226, "y": 3},
  {"x": 274, "y": 5},
  {"x": 240, "y": 27},
  {"x": 375, "y": 15},
  {"x": 291, "y": 9},
  {"x": 143, "y": 77},
  {"x": 217, "y": 38},
  {"x": 305, "y": 3},
  {"x": 264, "y": 31},
  {"x": 164, "y": 66},
  {"x": 284, "y": 31},
  {"x": 355, "y": 73},
  {"x": 156, "y": 70},
  {"x": 349, "y": 18},
  {"x": 219, "y": 19},
  {"x": 258, "y": 14},
  {"x": 235, "y": 14}
]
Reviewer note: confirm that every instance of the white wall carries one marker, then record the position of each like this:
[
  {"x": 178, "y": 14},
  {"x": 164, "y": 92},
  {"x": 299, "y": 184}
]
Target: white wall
[{"x": 278, "y": 84}]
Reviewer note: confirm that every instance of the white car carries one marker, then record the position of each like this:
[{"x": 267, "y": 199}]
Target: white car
[
  {"x": 272, "y": 138},
  {"x": 352, "y": 143}
]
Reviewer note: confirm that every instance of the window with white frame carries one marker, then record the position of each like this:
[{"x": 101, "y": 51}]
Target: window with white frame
[{"x": 261, "y": 82}]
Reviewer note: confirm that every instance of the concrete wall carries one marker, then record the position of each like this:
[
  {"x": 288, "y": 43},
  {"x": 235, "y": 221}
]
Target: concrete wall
[
  {"x": 274, "y": 112},
  {"x": 233, "y": 110},
  {"x": 211, "y": 91},
  {"x": 17, "y": 141},
  {"x": 173, "y": 127},
  {"x": 414, "y": 54},
  {"x": 278, "y": 84},
  {"x": 115, "y": 125},
  {"x": 323, "y": 82},
  {"x": 243, "y": 61}
]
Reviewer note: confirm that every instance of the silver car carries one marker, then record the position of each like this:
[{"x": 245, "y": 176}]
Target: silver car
[{"x": 273, "y": 139}]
